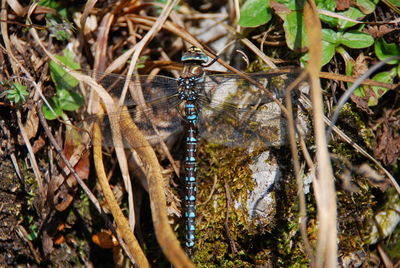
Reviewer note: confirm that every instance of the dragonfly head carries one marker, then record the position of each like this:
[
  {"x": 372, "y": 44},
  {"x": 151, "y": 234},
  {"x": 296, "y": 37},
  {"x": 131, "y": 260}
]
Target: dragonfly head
[{"x": 195, "y": 55}]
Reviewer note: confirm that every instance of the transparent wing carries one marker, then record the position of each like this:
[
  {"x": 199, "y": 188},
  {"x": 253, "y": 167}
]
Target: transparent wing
[
  {"x": 149, "y": 88},
  {"x": 151, "y": 102},
  {"x": 237, "y": 90},
  {"x": 237, "y": 113}
]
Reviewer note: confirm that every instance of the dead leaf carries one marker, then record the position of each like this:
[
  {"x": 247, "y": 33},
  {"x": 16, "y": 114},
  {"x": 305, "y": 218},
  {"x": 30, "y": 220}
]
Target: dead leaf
[
  {"x": 378, "y": 31},
  {"x": 59, "y": 193},
  {"x": 279, "y": 8},
  {"x": 362, "y": 103},
  {"x": 387, "y": 138},
  {"x": 62, "y": 191},
  {"x": 105, "y": 239},
  {"x": 360, "y": 65},
  {"x": 342, "y": 5},
  {"x": 31, "y": 125},
  {"x": 38, "y": 144},
  {"x": 82, "y": 168},
  {"x": 47, "y": 243},
  {"x": 58, "y": 239}
]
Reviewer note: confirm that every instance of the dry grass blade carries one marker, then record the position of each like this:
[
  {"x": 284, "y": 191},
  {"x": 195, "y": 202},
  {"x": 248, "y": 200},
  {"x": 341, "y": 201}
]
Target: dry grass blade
[
  {"x": 4, "y": 31},
  {"x": 324, "y": 184},
  {"x": 116, "y": 211},
  {"x": 99, "y": 65},
  {"x": 165, "y": 236},
  {"x": 139, "y": 46},
  {"x": 100, "y": 59},
  {"x": 16, "y": 7},
  {"x": 296, "y": 164},
  {"x": 88, "y": 7}
]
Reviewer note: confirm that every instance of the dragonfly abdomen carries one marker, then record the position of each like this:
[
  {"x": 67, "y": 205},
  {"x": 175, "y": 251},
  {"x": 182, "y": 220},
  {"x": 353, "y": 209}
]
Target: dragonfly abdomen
[{"x": 191, "y": 115}]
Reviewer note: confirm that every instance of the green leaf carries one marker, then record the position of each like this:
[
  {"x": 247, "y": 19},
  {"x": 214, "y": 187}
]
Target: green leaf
[
  {"x": 55, "y": 4},
  {"x": 329, "y": 5},
  {"x": 69, "y": 101},
  {"x": 351, "y": 13},
  {"x": 18, "y": 93},
  {"x": 56, "y": 108},
  {"x": 295, "y": 31},
  {"x": 367, "y": 6},
  {"x": 394, "y": 2},
  {"x": 60, "y": 77},
  {"x": 65, "y": 98},
  {"x": 292, "y": 5},
  {"x": 386, "y": 77},
  {"x": 374, "y": 93},
  {"x": 330, "y": 36},
  {"x": 348, "y": 60},
  {"x": 356, "y": 39},
  {"x": 255, "y": 13},
  {"x": 384, "y": 50},
  {"x": 328, "y": 51}
]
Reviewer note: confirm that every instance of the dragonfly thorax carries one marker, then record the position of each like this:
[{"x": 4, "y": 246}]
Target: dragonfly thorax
[{"x": 188, "y": 88}]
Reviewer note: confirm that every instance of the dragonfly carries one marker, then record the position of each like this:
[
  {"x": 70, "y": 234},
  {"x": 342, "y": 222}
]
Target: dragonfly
[{"x": 223, "y": 109}]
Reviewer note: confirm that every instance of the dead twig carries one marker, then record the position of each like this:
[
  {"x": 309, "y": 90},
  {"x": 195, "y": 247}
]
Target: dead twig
[{"x": 228, "y": 204}]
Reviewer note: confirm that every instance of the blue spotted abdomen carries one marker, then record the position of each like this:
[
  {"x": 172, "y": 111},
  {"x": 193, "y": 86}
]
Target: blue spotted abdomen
[{"x": 191, "y": 115}]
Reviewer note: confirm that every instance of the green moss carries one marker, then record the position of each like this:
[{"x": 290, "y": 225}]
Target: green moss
[
  {"x": 354, "y": 214},
  {"x": 278, "y": 240},
  {"x": 355, "y": 126},
  {"x": 220, "y": 169}
]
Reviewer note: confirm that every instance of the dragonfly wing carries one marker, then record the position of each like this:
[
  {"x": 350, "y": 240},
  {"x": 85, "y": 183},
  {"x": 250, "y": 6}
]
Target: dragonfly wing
[
  {"x": 140, "y": 87},
  {"x": 150, "y": 103},
  {"x": 237, "y": 90},
  {"x": 157, "y": 123},
  {"x": 241, "y": 113},
  {"x": 244, "y": 128}
]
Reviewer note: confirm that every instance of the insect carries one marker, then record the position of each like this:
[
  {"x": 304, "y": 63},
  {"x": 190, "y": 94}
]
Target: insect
[{"x": 222, "y": 108}]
